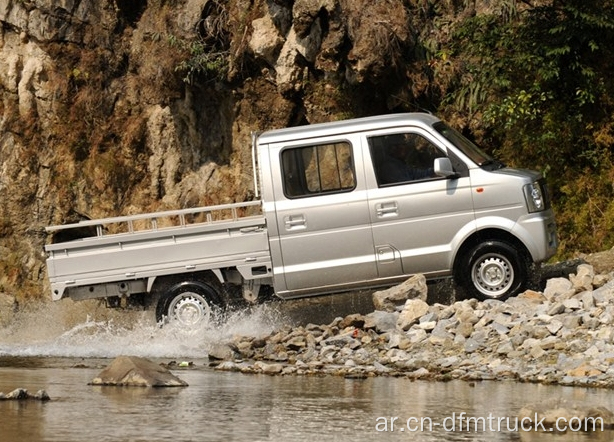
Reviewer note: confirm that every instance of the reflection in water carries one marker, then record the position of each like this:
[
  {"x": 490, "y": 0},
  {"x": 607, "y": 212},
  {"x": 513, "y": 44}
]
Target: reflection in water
[
  {"x": 63, "y": 346},
  {"x": 220, "y": 406}
]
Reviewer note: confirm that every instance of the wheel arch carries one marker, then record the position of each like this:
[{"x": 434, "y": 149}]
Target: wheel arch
[
  {"x": 482, "y": 236},
  {"x": 160, "y": 285},
  {"x": 156, "y": 284},
  {"x": 168, "y": 288}
]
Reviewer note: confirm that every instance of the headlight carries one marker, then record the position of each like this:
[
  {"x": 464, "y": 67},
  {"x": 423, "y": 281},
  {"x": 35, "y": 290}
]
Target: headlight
[{"x": 534, "y": 194}]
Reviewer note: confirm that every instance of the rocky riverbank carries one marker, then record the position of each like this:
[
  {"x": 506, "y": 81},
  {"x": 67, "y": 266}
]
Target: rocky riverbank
[{"x": 561, "y": 335}]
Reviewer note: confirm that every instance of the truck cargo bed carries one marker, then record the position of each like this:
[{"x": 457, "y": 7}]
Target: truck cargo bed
[{"x": 156, "y": 244}]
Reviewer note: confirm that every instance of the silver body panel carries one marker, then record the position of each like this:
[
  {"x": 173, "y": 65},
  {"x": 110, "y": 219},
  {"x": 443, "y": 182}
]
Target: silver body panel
[{"x": 361, "y": 234}]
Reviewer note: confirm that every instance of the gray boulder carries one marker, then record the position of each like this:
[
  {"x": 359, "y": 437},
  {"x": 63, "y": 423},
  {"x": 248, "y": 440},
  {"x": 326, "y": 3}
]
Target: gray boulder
[
  {"x": 22, "y": 393},
  {"x": 412, "y": 311},
  {"x": 220, "y": 352},
  {"x": 137, "y": 372},
  {"x": 582, "y": 280},
  {"x": 381, "y": 321},
  {"x": 558, "y": 288},
  {"x": 389, "y": 299}
]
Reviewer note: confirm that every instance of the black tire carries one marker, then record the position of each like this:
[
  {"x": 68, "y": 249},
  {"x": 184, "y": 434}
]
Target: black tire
[
  {"x": 189, "y": 304},
  {"x": 493, "y": 270}
]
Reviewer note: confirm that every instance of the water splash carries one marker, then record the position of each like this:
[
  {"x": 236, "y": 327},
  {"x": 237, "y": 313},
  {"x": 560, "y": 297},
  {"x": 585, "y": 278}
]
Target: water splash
[{"x": 89, "y": 330}]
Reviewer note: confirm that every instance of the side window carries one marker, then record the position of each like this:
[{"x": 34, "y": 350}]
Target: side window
[
  {"x": 402, "y": 158},
  {"x": 315, "y": 170}
]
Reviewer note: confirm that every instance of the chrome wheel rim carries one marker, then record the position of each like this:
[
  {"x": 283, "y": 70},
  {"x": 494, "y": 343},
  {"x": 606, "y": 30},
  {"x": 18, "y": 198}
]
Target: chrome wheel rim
[
  {"x": 493, "y": 275},
  {"x": 190, "y": 310}
]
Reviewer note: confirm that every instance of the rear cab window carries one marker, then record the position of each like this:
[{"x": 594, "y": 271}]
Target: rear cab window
[{"x": 318, "y": 169}]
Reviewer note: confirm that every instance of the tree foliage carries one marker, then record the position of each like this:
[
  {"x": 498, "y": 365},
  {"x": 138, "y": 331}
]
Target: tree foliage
[{"x": 535, "y": 84}]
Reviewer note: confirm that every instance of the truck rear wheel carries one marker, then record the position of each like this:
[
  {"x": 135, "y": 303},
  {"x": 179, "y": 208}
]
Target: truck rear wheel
[
  {"x": 493, "y": 270},
  {"x": 188, "y": 304}
]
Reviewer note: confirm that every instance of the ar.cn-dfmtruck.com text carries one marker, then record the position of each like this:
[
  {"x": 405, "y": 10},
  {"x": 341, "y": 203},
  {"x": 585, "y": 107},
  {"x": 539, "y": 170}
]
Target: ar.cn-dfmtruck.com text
[{"x": 459, "y": 422}]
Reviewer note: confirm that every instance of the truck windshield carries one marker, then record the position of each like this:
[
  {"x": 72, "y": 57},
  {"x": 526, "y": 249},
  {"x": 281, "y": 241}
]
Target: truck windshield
[{"x": 466, "y": 146}]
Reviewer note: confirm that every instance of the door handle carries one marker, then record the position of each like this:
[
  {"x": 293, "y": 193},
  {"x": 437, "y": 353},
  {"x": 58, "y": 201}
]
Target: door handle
[
  {"x": 387, "y": 209},
  {"x": 294, "y": 221}
]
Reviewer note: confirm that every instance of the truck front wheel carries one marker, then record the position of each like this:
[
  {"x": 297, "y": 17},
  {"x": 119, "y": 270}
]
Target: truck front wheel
[
  {"x": 188, "y": 304},
  {"x": 493, "y": 270}
]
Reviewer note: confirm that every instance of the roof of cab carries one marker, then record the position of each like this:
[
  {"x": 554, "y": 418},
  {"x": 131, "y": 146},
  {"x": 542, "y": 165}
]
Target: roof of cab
[{"x": 346, "y": 126}]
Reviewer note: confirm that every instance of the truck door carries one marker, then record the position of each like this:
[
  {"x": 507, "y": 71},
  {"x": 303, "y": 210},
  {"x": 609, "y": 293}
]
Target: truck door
[
  {"x": 323, "y": 224},
  {"x": 415, "y": 214}
]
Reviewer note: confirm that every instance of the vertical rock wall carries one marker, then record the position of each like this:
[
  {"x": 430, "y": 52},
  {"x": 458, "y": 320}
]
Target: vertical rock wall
[{"x": 119, "y": 107}]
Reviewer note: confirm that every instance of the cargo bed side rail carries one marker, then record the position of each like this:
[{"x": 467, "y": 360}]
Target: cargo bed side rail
[{"x": 165, "y": 219}]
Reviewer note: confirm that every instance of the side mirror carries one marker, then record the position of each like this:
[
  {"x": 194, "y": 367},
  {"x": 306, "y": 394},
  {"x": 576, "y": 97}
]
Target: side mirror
[{"x": 443, "y": 167}]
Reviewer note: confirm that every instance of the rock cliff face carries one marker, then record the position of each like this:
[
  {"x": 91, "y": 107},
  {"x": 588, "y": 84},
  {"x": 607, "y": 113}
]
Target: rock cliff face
[{"x": 126, "y": 106}]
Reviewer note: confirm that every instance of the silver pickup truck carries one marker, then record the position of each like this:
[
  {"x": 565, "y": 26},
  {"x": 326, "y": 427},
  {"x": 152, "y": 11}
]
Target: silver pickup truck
[{"x": 345, "y": 205}]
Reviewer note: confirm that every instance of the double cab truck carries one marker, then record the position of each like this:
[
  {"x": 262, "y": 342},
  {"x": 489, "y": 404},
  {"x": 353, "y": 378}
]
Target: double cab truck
[{"x": 341, "y": 206}]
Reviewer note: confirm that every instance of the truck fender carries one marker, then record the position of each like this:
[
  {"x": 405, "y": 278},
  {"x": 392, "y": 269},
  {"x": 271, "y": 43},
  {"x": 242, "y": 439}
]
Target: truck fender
[
  {"x": 495, "y": 222},
  {"x": 457, "y": 241},
  {"x": 514, "y": 228},
  {"x": 490, "y": 222},
  {"x": 217, "y": 272}
]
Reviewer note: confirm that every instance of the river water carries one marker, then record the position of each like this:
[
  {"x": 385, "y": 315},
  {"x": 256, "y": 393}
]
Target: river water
[{"x": 61, "y": 347}]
